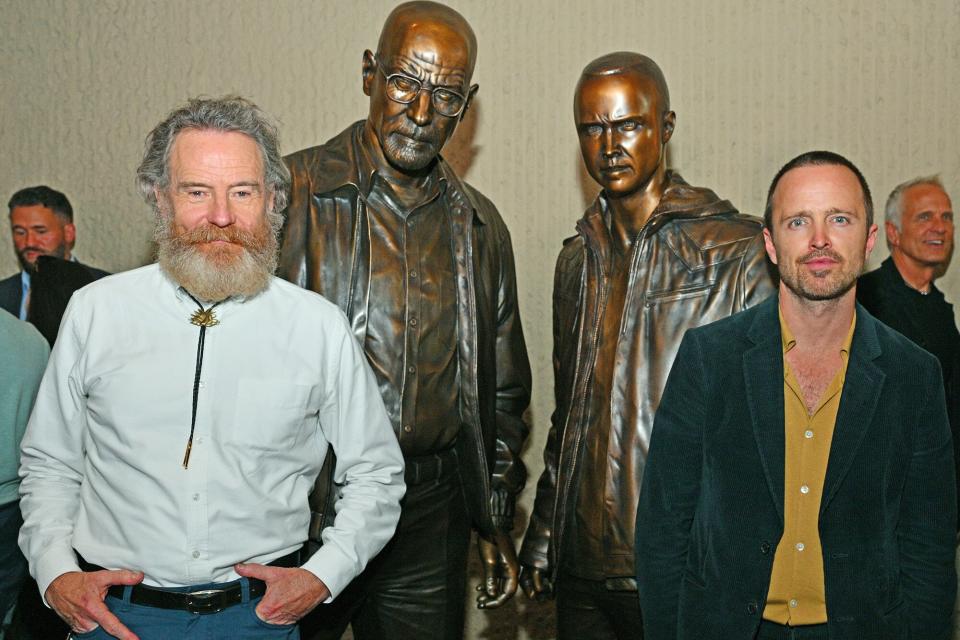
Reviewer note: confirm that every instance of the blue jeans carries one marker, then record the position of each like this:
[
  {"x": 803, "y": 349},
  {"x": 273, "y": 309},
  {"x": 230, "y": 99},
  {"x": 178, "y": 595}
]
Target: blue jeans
[
  {"x": 13, "y": 567},
  {"x": 239, "y": 622}
]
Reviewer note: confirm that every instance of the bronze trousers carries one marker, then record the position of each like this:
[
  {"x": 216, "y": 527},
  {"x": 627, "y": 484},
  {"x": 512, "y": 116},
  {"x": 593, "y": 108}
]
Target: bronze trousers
[{"x": 415, "y": 587}]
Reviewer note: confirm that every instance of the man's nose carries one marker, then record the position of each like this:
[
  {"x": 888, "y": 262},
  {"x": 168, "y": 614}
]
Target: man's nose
[
  {"x": 221, "y": 212},
  {"x": 820, "y": 238},
  {"x": 31, "y": 238},
  {"x": 421, "y": 109}
]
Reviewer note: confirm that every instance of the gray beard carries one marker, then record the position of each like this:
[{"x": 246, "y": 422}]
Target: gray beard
[{"x": 212, "y": 277}]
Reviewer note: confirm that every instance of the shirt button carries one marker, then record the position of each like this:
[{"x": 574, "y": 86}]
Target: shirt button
[
  {"x": 196, "y": 497},
  {"x": 407, "y": 428},
  {"x": 413, "y": 322},
  {"x": 410, "y": 224},
  {"x": 800, "y": 546},
  {"x": 808, "y": 434},
  {"x": 794, "y": 603},
  {"x": 196, "y": 554},
  {"x": 411, "y": 369},
  {"x": 804, "y": 489},
  {"x": 413, "y": 273}
]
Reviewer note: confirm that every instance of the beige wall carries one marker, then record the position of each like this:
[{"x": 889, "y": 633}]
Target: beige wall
[{"x": 753, "y": 82}]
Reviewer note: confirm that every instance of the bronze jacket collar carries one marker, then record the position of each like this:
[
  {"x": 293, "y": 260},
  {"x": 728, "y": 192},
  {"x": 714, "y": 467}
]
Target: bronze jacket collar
[{"x": 347, "y": 163}]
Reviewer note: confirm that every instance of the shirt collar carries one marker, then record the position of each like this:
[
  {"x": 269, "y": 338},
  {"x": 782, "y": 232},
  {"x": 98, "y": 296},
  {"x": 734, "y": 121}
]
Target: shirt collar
[{"x": 788, "y": 341}]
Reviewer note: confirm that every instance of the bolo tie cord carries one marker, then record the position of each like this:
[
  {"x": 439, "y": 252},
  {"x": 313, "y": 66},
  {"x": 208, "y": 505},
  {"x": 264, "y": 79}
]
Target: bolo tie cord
[{"x": 203, "y": 318}]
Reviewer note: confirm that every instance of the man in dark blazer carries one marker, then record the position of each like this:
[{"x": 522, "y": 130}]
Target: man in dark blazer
[
  {"x": 41, "y": 223},
  {"x": 800, "y": 476}
]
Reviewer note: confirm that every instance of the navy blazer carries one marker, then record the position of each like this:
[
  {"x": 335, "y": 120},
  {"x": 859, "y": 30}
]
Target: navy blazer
[
  {"x": 11, "y": 290},
  {"x": 711, "y": 507}
]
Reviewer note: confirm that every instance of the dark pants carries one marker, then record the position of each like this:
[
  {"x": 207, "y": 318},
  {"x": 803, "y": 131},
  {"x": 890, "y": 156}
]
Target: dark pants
[
  {"x": 774, "y": 631},
  {"x": 13, "y": 567},
  {"x": 415, "y": 587},
  {"x": 239, "y": 622},
  {"x": 587, "y": 610}
]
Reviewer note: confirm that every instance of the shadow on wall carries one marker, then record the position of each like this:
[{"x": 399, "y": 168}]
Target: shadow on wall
[{"x": 460, "y": 152}]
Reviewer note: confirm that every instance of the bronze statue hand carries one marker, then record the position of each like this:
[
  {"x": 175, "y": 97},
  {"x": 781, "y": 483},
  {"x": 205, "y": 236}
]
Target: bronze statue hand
[
  {"x": 535, "y": 583},
  {"x": 501, "y": 571}
]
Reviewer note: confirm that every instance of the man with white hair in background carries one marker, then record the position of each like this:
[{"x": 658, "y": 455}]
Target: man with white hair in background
[
  {"x": 901, "y": 293},
  {"x": 188, "y": 407}
]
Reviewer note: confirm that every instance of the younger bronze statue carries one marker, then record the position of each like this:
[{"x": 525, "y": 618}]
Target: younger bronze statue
[
  {"x": 418, "y": 260},
  {"x": 652, "y": 257}
]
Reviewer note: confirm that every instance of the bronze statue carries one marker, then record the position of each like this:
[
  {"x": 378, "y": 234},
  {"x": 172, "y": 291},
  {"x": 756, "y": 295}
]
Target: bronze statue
[
  {"x": 652, "y": 257},
  {"x": 418, "y": 260}
]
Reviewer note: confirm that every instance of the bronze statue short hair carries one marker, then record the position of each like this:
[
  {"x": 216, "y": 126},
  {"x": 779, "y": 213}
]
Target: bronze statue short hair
[{"x": 626, "y": 61}]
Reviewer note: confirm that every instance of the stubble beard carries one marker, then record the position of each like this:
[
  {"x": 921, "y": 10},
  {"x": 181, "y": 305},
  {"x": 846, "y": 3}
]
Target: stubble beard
[
  {"x": 219, "y": 272},
  {"x": 820, "y": 286}
]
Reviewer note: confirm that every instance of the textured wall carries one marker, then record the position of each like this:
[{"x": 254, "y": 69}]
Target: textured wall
[{"x": 753, "y": 82}]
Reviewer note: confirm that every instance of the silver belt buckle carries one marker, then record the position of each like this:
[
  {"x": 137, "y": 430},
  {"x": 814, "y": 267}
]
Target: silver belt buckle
[{"x": 206, "y": 601}]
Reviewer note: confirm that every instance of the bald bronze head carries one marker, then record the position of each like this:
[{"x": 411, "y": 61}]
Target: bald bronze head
[
  {"x": 622, "y": 111},
  {"x": 418, "y": 83}
]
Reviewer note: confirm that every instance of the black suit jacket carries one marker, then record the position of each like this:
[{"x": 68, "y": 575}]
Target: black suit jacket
[
  {"x": 51, "y": 287},
  {"x": 10, "y": 293},
  {"x": 711, "y": 508}
]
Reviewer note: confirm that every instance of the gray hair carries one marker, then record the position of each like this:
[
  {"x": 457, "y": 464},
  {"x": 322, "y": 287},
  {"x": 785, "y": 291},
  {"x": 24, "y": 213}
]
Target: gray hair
[
  {"x": 229, "y": 113},
  {"x": 894, "y": 208}
]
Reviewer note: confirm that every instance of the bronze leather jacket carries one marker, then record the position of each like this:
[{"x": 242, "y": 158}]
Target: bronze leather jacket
[
  {"x": 325, "y": 247},
  {"x": 696, "y": 260}
]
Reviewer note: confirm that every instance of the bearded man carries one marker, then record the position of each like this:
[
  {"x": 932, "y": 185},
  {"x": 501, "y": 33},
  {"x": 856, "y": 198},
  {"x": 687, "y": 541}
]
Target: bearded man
[{"x": 188, "y": 407}]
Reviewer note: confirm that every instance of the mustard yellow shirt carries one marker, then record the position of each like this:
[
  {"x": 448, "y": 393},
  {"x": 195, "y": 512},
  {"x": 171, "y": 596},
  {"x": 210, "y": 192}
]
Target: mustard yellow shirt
[{"x": 796, "y": 596}]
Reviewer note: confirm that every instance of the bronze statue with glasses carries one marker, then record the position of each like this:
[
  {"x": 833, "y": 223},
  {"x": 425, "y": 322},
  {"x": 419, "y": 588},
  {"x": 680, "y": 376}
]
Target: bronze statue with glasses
[{"x": 421, "y": 263}]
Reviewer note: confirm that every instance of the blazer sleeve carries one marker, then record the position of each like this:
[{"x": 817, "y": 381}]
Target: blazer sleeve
[
  {"x": 928, "y": 515},
  {"x": 670, "y": 491}
]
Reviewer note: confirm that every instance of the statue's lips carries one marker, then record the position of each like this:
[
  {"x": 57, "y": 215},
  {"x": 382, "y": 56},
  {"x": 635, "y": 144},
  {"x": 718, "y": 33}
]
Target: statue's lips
[
  {"x": 410, "y": 140},
  {"x": 614, "y": 169}
]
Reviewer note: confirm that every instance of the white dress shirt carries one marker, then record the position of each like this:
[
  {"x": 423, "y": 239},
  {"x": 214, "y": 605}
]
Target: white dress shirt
[{"x": 283, "y": 378}]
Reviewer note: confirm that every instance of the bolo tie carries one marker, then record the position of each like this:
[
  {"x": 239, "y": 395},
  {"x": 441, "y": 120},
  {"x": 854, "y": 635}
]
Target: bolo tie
[{"x": 203, "y": 318}]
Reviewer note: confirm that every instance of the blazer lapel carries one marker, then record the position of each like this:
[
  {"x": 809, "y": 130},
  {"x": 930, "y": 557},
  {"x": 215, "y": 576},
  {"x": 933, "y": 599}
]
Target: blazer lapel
[
  {"x": 858, "y": 403},
  {"x": 763, "y": 377}
]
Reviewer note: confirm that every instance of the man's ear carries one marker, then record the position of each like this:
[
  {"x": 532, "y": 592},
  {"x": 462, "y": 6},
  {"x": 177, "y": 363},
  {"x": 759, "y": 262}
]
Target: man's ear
[
  {"x": 871, "y": 240},
  {"x": 369, "y": 71},
  {"x": 893, "y": 234},
  {"x": 768, "y": 245},
  {"x": 669, "y": 122},
  {"x": 69, "y": 235}
]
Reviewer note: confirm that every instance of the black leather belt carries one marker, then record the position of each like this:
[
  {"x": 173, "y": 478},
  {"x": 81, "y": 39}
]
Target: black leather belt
[
  {"x": 203, "y": 601},
  {"x": 433, "y": 466}
]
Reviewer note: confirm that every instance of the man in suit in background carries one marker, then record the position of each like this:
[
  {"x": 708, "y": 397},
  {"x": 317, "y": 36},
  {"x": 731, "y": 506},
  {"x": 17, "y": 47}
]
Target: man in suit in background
[
  {"x": 41, "y": 222},
  {"x": 800, "y": 482}
]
